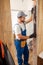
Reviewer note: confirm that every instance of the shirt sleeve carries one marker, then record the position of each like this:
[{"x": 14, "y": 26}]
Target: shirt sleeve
[{"x": 17, "y": 29}]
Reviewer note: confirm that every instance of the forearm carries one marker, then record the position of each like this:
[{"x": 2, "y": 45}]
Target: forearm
[
  {"x": 23, "y": 37},
  {"x": 29, "y": 20},
  {"x": 26, "y": 37}
]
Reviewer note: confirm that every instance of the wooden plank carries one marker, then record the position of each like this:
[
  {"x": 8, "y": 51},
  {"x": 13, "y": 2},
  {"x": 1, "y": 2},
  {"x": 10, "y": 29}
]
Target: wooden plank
[
  {"x": 6, "y": 26},
  {"x": 40, "y": 27}
]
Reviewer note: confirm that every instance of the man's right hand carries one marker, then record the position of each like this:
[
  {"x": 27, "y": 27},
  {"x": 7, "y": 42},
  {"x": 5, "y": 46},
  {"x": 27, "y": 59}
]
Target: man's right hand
[{"x": 32, "y": 36}]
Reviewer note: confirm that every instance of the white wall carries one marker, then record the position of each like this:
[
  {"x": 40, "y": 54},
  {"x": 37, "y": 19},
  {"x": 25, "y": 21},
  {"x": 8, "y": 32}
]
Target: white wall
[{"x": 21, "y": 4}]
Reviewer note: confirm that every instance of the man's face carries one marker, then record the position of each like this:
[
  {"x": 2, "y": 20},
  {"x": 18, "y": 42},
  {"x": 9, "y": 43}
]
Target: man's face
[{"x": 22, "y": 19}]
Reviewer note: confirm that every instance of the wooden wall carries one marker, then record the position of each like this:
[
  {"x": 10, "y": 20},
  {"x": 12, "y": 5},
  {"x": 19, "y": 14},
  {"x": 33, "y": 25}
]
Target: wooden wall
[
  {"x": 5, "y": 21},
  {"x": 6, "y": 25},
  {"x": 40, "y": 27}
]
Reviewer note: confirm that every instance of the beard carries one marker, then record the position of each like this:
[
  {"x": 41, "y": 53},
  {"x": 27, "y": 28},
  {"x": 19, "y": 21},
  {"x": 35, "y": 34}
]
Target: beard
[{"x": 23, "y": 21}]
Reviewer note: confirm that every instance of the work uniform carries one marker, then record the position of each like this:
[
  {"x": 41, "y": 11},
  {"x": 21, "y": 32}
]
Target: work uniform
[{"x": 21, "y": 29}]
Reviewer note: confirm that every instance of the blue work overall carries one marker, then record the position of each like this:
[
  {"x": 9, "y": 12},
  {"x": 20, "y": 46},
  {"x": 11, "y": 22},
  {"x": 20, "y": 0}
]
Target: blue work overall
[{"x": 21, "y": 50}]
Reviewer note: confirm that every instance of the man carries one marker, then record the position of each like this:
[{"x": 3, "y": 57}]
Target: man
[{"x": 20, "y": 40}]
